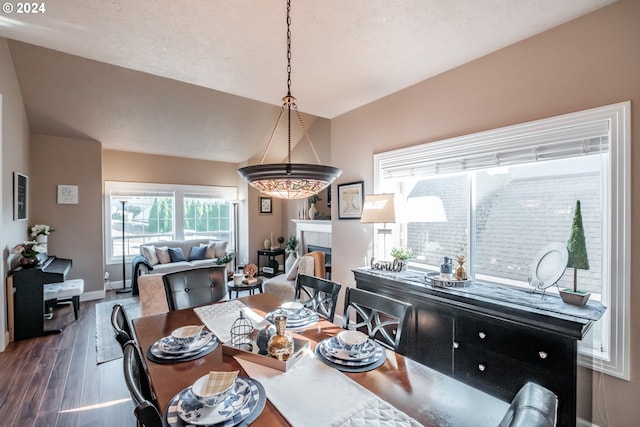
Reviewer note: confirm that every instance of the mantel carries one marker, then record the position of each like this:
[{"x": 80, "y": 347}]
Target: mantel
[
  {"x": 311, "y": 228},
  {"x": 319, "y": 226}
]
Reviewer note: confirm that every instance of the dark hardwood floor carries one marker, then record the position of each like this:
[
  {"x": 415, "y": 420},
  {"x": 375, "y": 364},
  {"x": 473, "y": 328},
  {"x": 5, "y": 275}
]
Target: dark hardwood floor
[{"x": 54, "y": 380}]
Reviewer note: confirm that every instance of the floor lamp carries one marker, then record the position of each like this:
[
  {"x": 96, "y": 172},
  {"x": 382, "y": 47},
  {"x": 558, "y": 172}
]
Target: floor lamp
[
  {"x": 124, "y": 258},
  {"x": 379, "y": 208}
]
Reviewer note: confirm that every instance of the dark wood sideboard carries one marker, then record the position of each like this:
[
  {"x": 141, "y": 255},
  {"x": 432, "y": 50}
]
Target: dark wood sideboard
[{"x": 493, "y": 338}]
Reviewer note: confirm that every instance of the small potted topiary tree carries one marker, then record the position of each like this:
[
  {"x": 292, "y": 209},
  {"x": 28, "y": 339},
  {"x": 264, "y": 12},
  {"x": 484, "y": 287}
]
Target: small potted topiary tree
[{"x": 578, "y": 259}]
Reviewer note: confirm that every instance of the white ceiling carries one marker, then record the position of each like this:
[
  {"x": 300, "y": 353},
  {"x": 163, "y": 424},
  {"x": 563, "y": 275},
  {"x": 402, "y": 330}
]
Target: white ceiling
[{"x": 345, "y": 55}]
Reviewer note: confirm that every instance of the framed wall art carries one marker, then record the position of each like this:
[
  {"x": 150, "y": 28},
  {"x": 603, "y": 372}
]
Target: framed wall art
[
  {"x": 67, "y": 194},
  {"x": 350, "y": 200},
  {"x": 266, "y": 205},
  {"x": 20, "y": 196}
]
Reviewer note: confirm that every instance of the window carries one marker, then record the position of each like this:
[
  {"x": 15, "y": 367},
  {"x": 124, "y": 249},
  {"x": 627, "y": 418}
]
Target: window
[
  {"x": 155, "y": 212},
  {"x": 503, "y": 195}
]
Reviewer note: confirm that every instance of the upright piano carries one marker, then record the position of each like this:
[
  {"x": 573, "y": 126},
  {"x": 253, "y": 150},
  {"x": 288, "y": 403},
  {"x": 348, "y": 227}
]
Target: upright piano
[{"x": 25, "y": 298}]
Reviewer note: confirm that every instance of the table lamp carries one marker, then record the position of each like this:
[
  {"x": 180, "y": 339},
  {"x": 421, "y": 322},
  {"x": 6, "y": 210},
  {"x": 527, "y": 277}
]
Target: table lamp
[{"x": 379, "y": 208}]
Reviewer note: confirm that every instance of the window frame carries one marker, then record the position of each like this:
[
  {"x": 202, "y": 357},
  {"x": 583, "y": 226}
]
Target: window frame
[
  {"x": 179, "y": 193},
  {"x": 616, "y": 210}
]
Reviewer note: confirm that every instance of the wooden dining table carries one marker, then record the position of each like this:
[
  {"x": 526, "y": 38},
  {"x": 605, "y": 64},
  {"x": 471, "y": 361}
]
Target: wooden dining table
[{"x": 430, "y": 397}]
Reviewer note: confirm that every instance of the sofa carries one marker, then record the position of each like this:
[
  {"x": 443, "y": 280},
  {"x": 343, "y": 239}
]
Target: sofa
[
  {"x": 284, "y": 285},
  {"x": 168, "y": 256}
]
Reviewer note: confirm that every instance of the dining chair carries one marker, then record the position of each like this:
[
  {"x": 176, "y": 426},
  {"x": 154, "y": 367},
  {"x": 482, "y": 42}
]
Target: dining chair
[
  {"x": 121, "y": 325},
  {"x": 148, "y": 415},
  {"x": 137, "y": 380},
  {"x": 533, "y": 406},
  {"x": 319, "y": 295},
  {"x": 199, "y": 286},
  {"x": 383, "y": 318}
]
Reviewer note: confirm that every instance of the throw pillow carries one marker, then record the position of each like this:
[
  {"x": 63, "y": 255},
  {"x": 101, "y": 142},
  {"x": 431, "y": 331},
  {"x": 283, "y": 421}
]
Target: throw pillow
[
  {"x": 163, "y": 255},
  {"x": 176, "y": 255},
  {"x": 291, "y": 274},
  {"x": 198, "y": 252},
  {"x": 149, "y": 252},
  {"x": 221, "y": 248},
  {"x": 211, "y": 250}
]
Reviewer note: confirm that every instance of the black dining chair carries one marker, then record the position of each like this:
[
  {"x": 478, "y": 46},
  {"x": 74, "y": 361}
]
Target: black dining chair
[
  {"x": 319, "y": 295},
  {"x": 199, "y": 286},
  {"x": 148, "y": 415},
  {"x": 121, "y": 325},
  {"x": 139, "y": 386},
  {"x": 533, "y": 406},
  {"x": 380, "y": 317}
]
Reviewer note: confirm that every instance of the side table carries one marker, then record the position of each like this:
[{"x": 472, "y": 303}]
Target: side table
[
  {"x": 270, "y": 254},
  {"x": 244, "y": 287}
]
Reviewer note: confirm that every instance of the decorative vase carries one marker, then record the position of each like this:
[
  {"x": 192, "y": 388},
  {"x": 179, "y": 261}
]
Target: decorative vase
[
  {"x": 262, "y": 340},
  {"x": 312, "y": 211},
  {"x": 461, "y": 273},
  {"x": 29, "y": 262},
  {"x": 288, "y": 263},
  {"x": 267, "y": 244},
  {"x": 579, "y": 298},
  {"x": 42, "y": 240},
  {"x": 280, "y": 345}
]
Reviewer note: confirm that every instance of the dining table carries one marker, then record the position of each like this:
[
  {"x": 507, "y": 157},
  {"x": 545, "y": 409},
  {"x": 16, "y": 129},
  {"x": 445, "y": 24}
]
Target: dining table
[{"x": 427, "y": 396}]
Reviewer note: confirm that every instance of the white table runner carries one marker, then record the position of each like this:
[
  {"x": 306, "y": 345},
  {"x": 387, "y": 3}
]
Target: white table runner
[
  {"x": 314, "y": 394},
  {"x": 219, "y": 317}
]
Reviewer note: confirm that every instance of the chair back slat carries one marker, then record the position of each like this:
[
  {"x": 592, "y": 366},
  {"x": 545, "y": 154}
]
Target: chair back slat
[
  {"x": 319, "y": 295},
  {"x": 382, "y": 318},
  {"x": 135, "y": 375}
]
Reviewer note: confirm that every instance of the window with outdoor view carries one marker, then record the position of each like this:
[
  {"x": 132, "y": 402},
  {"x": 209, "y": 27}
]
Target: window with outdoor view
[
  {"x": 501, "y": 196},
  {"x": 153, "y": 212}
]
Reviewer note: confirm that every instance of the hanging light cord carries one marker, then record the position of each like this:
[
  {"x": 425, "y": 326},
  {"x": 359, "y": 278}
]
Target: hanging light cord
[{"x": 289, "y": 102}]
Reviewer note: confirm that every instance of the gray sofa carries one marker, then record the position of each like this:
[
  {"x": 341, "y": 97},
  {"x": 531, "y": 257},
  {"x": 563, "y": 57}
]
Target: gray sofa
[{"x": 169, "y": 256}]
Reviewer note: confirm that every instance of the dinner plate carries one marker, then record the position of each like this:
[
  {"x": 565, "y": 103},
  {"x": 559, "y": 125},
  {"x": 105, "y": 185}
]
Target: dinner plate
[
  {"x": 378, "y": 352},
  {"x": 379, "y": 357},
  {"x": 549, "y": 265},
  {"x": 169, "y": 346},
  {"x": 304, "y": 318},
  {"x": 335, "y": 348},
  {"x": 192, "y": 411},
  {"x": 156, "y": 355},
  {"x": 245, "y": 416}
]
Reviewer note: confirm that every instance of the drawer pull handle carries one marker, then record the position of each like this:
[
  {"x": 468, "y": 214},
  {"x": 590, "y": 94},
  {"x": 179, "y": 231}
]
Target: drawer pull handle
[
  {"x": 481, "y": 367},
  {"x": 455, "y": 345},
  {"x": 542, "y": 354},
  {"x": 482, "y": 335}
]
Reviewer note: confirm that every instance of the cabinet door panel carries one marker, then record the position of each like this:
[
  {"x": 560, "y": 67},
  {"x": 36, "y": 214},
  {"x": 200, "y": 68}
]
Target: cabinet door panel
[{"x": 434, "y": 337}]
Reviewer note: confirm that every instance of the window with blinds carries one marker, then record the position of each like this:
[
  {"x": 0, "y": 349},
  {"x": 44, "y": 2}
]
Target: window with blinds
[{"x": 501, "y": 196}]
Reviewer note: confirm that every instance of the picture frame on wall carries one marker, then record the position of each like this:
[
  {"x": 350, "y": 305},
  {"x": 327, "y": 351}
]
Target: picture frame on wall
[
  {"x": 20, "y": 196},
  {"x": 266, "y": 205},
  {"x": 350, "y": 200}
]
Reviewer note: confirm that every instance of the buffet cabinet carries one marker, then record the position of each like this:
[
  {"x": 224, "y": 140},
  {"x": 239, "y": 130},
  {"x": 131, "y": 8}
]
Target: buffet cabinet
[{"x": 491, "y": 345}]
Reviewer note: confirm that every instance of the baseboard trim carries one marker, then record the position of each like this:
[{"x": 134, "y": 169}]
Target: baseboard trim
[{"x": 584, "y": 423}]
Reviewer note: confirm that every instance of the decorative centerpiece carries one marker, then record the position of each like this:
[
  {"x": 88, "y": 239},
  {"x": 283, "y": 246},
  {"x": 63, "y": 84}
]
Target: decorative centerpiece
[
  {"x": 461, "y": 273},
  {"x": 41, "y": 233},
  {"x": 249, "y": 271},
  {"x": 28, "y": 252},
  {"x": 242, "y": 333},
  {"x": 578, "y": 259},
  {"x": 312, "y": 206}
]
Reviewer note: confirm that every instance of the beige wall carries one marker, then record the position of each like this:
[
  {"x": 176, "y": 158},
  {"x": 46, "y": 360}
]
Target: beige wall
[
  {"x": 78, "y": 228},
  {"x": 589, "y": 62},
  {"x": 14, "y": 154}
]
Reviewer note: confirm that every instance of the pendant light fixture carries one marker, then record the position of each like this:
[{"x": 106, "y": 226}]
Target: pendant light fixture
[{"x": 290, "y": 180}]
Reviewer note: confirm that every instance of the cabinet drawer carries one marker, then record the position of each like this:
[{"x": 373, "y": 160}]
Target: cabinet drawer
[
  {"x": 525, "y": 345},
  {"x": 494, "y": 373}
]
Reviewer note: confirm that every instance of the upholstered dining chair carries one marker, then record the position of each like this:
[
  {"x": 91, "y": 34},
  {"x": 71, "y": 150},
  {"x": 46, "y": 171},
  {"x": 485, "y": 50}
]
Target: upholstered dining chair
[
  {"x": 120, "y": 324},
  {"x": 191, "y": 288},
  {"x": 382, "y": 317},
  {"x": 319, "y": 295},
  {"x": 137, "y": 380},
  {"x": 532, "y": 406}
]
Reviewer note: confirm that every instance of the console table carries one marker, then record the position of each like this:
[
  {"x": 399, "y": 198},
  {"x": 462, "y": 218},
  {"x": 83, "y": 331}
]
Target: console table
[
  {"x": 491, "y": 337},
  {"x": 270, "y": 254}
]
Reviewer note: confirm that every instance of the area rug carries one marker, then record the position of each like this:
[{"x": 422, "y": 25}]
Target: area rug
[{"x": 107, "y": 348}]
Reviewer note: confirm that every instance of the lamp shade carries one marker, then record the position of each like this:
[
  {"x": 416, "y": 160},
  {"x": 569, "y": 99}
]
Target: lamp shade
[{"x": 378, "y": 208}]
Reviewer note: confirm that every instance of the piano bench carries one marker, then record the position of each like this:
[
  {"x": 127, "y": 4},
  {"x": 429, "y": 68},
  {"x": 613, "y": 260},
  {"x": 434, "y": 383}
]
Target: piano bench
[{"x": 69, "y": 290}]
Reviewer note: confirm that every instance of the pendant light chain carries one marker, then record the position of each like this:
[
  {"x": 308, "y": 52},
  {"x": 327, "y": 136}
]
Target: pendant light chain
[{"x": 290, "y": 99}]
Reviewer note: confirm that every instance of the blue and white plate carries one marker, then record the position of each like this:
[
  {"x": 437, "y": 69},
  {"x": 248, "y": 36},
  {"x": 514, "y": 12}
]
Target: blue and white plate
[
  {"x": 155, "y": 354},
  {"x": 169, "y": 346},
  {"x": 303, "y": 317},
  {"x": 335, "y": 348},
  {"x": 324, "y": 346},
  {"x": 191, "y": 411}
]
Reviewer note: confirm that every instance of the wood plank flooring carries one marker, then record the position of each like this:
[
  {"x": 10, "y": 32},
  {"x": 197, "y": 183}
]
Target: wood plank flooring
[{"x": 54, "y": 380}]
